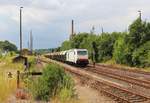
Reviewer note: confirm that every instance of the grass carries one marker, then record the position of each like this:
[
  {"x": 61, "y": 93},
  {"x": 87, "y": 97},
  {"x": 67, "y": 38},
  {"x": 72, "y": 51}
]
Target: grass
[
  {"x": 57, "y": 100},
  {"x": 113, "y": 63},
  {"x": 8, "y": 85}
]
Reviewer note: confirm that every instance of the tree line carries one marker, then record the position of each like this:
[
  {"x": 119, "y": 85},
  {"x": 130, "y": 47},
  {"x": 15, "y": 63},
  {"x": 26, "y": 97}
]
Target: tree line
[
  {"x": 7, "y": 46},
  {"x": 130, "y": 48}
]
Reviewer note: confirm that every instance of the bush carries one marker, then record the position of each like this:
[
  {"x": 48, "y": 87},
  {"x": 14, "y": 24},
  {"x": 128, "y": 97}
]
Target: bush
[
  {"x": 105, "y": 47},
  {"x": 52, "y": 83},
  {"x": 122, "y": 51},
  {"x": 67, "y": 92},
  {"x": 32, "y": 61},
  {"x": 141, "y": 56}
]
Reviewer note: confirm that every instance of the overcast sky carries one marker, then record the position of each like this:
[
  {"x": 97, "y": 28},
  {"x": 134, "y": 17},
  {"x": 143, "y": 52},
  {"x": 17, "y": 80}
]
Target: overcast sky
[{"x": 50, "y": 20}]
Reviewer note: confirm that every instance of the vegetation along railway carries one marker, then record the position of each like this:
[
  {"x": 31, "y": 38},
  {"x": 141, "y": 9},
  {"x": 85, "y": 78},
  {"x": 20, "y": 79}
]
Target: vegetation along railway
[{"x": 124, "y": 86}]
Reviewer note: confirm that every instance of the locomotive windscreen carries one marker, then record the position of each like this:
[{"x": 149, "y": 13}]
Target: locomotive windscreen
[{"x": 82, "y": 52}]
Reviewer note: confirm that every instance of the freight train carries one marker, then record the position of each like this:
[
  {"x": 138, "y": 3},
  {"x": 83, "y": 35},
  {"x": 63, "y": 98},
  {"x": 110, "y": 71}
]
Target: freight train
[{"x": 72, "y": 56}]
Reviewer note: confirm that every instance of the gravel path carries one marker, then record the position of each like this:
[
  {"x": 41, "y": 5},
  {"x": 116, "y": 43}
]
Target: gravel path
[{"x": 89, "y": 95}]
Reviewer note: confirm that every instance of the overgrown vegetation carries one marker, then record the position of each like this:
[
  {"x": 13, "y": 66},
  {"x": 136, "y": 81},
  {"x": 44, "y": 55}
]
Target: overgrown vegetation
[
  {"x": 8, "y": 84},
  {"x": 54, "y": 82},
  {"x": 130, "y": 48}
]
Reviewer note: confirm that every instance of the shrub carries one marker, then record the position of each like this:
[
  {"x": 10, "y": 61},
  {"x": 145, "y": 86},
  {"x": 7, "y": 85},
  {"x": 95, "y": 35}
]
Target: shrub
[
  {"x": 105, "y": 44},
  {"x": 122, "y": 51},
  {"x": 51, "y": 83},
  {"x": 141, "y": 56},
  {"x": 32, "y": 61}
]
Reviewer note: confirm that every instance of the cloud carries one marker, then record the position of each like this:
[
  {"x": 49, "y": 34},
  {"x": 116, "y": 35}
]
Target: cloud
[{"x": 50, "y": 20}]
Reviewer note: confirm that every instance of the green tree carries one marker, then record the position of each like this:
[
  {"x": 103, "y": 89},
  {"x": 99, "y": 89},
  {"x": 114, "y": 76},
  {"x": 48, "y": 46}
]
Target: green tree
[
  {"x": 122, "y": 51},
  {"x": 7, "y": 46},
  {"x": 141, "y": 55},
  {"x": 66, "y": 45},
  {"x": 105, "y": 44},
  {"x": 139, "y": 33},
  {"x": 77, "y": 40},
  {"x": 95, "y": 52}
]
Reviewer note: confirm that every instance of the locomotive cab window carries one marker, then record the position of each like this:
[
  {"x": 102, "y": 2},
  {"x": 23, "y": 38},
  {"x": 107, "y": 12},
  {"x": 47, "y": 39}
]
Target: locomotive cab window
[{"x": 82, "y": 52}]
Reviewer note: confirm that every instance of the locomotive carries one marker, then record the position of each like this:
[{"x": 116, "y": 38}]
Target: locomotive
[{"x": 72, "y": 56}]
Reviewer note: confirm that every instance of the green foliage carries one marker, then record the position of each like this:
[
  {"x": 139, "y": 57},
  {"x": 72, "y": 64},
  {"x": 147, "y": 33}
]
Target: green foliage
[
  {"x": 66, "y": 45},
  {"x": 141, "y": 56},
  {"x": 105, "y": 44},
  {"x": 52, "y": 83},
  {"x": 7, "y": 46},
  {"x": 139, "y": 33},
  {"x": 67, "y": 91},
  {"x": 32, "y": 61},
  {"x": 0, "y": 53},
  {"x": 122, "y": 51},
  {"x": 87, "y": 44},
  {"x": 77, "y": 40}
]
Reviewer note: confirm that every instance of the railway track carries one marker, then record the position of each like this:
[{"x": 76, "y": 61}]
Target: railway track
[
  {"x": 118, "y": 93},
  {"x": 126, "y": 78},
  {"x": 133, "y": 72}
]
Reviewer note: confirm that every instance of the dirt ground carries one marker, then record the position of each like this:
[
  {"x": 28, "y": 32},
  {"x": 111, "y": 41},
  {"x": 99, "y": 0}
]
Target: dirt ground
[{"x": 89, "y": 95}]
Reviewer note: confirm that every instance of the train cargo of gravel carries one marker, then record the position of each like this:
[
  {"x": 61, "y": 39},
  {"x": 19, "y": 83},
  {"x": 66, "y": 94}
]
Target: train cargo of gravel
[{"x": 73, "y": 56}]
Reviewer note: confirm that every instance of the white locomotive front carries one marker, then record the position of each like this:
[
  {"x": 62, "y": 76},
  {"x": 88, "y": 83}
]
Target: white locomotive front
[{"x": 77, "y": 56}]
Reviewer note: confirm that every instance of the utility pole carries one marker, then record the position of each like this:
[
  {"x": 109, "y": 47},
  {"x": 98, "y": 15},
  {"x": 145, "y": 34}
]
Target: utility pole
[
  {"x": 140, "y": 14},
  {"x": 31, "y": 42},
  {"x": 92, "y": 30},
  {"x": 28, "y": 45},
  {"x": 102, "y": 30},
  {"x": 21, "y": 31}
]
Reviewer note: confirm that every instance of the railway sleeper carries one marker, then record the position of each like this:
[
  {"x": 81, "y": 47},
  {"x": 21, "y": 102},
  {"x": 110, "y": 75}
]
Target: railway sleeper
[
  {"x": 109, "y": 93},
  {"x": 137, "y": 99},
  {"x": 129, "y": 96},
  {"x": 120, "y": 92},
  {"x": 132, "y": 98}
]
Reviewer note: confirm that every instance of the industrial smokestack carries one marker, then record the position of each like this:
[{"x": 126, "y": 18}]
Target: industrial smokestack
[{"x": 72, "y": 30}]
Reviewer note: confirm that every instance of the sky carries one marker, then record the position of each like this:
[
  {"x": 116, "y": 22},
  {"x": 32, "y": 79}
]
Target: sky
[{"x": 50, "y": 20}]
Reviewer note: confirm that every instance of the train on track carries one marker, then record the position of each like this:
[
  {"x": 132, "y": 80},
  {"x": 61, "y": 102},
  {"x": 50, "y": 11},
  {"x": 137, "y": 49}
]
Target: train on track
[{"x": 72, "y": 56}]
